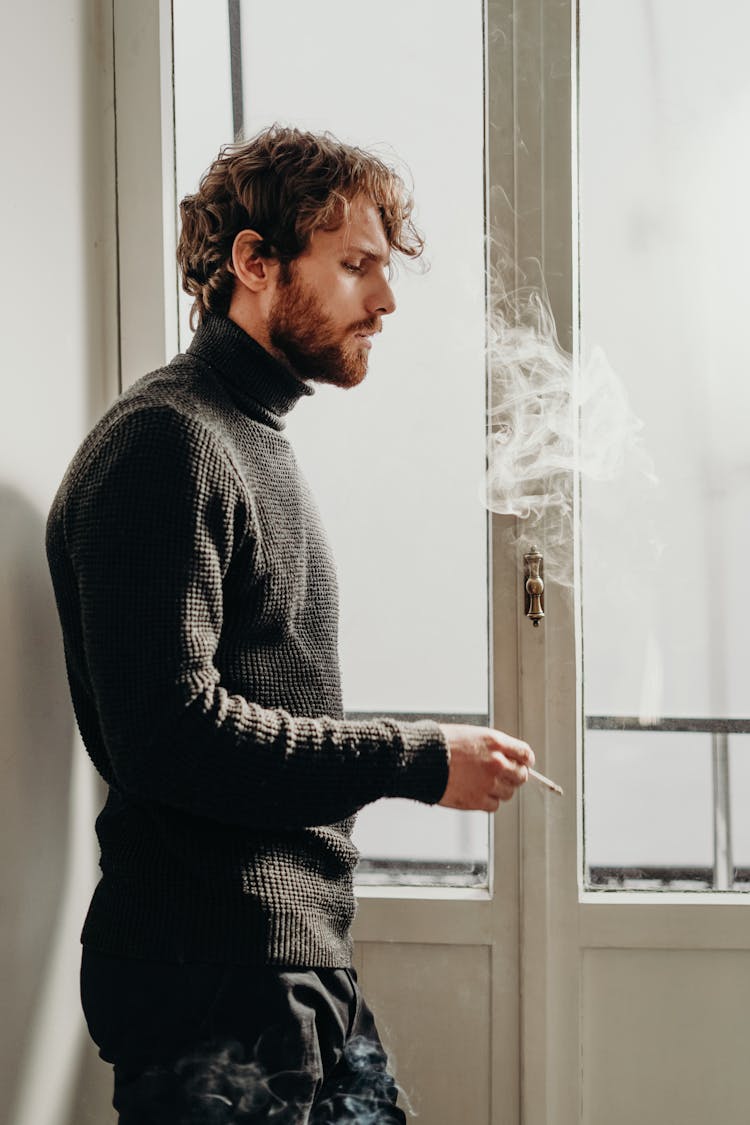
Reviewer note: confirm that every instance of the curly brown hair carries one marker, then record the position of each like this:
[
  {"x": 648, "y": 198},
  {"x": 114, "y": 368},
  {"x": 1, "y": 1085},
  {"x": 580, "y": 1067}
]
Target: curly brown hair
[{"x": 285, "y": 184}]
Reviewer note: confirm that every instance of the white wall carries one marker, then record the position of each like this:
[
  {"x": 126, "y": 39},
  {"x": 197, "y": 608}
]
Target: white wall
[{"x": 58, "y": 369}]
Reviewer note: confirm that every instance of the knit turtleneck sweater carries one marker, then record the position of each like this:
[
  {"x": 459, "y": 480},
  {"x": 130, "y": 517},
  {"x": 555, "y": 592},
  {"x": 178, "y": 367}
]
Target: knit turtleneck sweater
[{"x": 198, "y": 603}]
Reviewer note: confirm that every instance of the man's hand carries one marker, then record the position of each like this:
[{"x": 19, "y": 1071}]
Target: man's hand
[{"x": 486, "y": 767}]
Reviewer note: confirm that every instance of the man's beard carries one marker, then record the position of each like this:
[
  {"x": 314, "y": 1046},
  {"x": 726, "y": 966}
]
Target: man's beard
[{"x": 307, "y": 339}]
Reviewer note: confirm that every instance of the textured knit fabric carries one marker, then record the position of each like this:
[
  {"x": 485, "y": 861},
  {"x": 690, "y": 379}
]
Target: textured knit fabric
[{"x": 198, "y": 603}]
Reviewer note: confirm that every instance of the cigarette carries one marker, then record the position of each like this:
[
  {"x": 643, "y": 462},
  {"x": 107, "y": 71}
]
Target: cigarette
[{"x": 551, "y": 785}]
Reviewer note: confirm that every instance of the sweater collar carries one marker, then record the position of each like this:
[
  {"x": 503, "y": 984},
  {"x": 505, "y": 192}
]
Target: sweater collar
[{"x": 260, "y": 384}]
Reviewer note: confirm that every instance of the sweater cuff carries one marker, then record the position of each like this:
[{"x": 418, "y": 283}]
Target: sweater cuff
[{"x": 422, "y": 773}]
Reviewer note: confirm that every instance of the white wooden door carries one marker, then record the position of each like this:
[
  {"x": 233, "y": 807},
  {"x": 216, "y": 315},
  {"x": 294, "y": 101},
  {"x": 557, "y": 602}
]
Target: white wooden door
[{"x": 634, "y": 1002}]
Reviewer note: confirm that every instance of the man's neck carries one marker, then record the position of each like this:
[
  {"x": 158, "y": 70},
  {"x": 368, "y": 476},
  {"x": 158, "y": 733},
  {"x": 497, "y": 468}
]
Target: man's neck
[{"x": 252, "y": 321}]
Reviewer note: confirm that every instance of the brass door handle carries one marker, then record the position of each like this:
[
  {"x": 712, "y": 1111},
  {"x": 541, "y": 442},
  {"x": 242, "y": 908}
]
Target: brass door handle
[{"x": 534, "y": 585}]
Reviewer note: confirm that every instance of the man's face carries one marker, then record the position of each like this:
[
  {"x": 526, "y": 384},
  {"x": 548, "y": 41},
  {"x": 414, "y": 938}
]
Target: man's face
[{"x": 324, "y": 314}]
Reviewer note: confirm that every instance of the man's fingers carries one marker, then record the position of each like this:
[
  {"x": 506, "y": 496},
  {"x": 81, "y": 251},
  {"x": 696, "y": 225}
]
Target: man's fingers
[
  {"x": 502, "y": 792},
  {"x": 510, "y": 771},
  {"x": 514, "y": 748},
  {"x": 523, "y": 754}
]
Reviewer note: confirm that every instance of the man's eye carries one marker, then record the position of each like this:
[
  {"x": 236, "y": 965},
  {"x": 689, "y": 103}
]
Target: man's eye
[{"x": 351, "y": 267}]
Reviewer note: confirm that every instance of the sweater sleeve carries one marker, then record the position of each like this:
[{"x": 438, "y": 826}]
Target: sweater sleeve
[{"x": 151, "y": 525}]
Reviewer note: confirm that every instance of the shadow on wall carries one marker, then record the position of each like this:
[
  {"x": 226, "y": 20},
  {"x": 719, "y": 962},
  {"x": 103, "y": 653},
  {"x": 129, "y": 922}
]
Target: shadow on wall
[{"x": 36, "y": 751}]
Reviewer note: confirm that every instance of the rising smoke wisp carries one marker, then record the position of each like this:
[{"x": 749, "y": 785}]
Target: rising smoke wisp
[{"x": 549, "y": 420}]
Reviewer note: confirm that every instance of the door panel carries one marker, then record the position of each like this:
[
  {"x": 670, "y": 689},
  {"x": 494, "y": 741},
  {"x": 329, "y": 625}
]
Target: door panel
[
  {"x": 665, "y": 1036},
  {"x": 433, "y": 1008}
]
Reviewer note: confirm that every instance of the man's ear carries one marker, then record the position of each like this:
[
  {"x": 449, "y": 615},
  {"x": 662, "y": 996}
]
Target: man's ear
[{"x": 250, "y": 268}]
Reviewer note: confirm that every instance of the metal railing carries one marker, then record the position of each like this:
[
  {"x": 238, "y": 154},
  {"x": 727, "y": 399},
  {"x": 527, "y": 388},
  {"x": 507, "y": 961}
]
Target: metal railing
[{"x": 724, "y": 876}]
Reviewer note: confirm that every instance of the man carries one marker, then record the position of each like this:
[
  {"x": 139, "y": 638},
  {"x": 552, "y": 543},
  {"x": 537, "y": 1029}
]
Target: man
[{"x": 198, "y": 605}]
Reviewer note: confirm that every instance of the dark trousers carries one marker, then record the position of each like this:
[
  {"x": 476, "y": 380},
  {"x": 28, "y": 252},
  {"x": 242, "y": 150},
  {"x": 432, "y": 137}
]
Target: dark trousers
[{"x": 209, "y": 1044}]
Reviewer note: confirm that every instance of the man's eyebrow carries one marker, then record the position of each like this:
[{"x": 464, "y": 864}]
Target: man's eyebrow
[{"x": 370, "y": 253}]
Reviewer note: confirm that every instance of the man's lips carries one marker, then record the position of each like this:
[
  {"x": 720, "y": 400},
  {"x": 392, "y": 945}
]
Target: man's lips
[{"x": 366, "y": 334}]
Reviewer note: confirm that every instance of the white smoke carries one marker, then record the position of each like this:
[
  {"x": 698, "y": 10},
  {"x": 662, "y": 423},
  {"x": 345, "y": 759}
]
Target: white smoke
[
  {"x": 368, "y": 1093},
  {"x": 551, "y": 421},
  {"x": 225, "y": 1086}
]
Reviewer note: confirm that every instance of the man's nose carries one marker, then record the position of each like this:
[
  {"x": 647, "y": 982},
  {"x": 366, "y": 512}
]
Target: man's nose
[{"x": 382, "y": 301}]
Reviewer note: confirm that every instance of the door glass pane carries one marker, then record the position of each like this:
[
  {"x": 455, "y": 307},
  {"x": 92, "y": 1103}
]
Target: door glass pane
[
  {"x": 396, "y": 465},
  {"x": 664, "y": 151}
]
